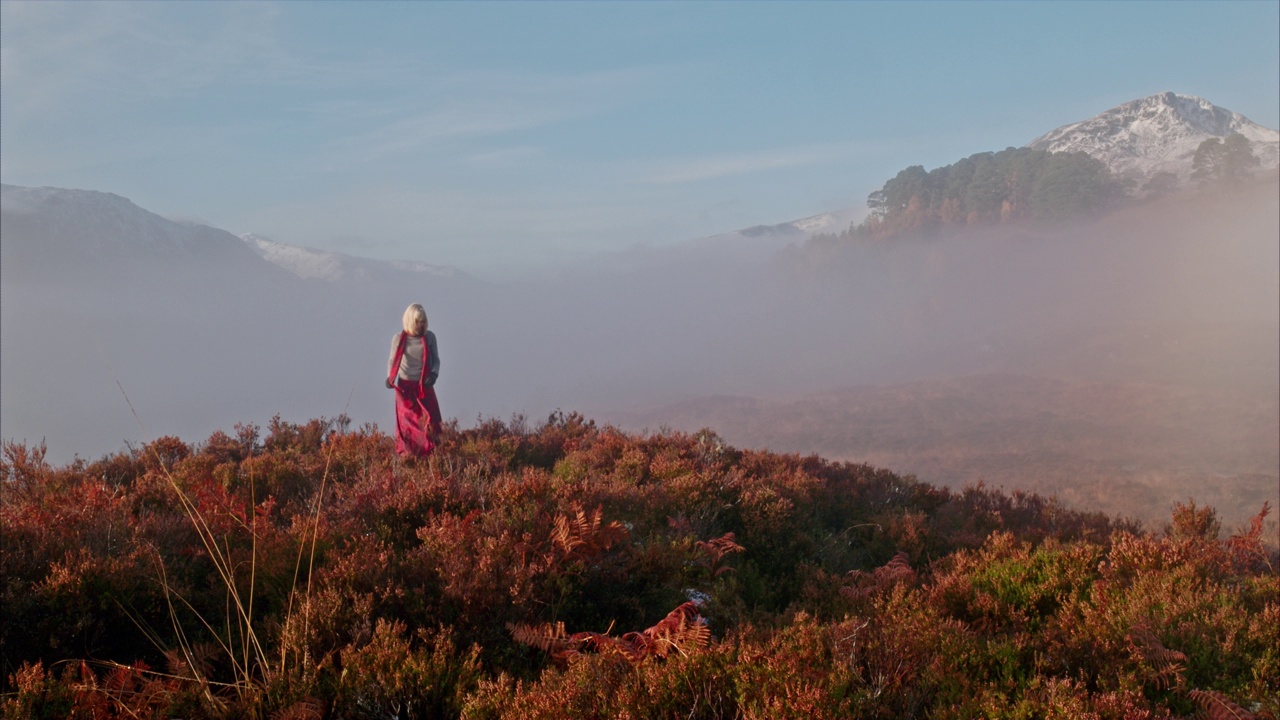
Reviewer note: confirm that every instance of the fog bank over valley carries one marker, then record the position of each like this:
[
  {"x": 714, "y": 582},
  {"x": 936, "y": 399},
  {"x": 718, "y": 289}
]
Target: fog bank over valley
[{"x": 1139, "y": 348}]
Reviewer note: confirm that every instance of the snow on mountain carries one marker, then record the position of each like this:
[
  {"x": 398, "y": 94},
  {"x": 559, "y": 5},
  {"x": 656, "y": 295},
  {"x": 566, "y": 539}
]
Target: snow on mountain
[
  {"x": 1158, "y": 133},
  {"x": 309, "y": 263},
  {"x": 829, "y": 222},
  {"x": 49, "y": 230},
  {"x": 56, "y": 224},
  {"x": 301, "y": 261},
  {"x": 832, "y": 222},
  {"x": 782, "y": 234}
]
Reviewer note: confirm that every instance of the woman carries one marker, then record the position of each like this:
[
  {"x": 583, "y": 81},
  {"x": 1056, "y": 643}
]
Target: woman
[{"x": 412, "y": 371}]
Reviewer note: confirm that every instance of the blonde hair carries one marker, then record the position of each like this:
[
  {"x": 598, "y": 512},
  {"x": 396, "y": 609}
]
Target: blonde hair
[{"x": 412, "y": 315}]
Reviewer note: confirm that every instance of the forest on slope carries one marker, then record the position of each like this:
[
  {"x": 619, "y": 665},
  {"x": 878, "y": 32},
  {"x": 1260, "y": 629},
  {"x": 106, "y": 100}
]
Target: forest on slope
[
  {"x": 1023, "y": 184},
  {"x": 573, "y": 570}
]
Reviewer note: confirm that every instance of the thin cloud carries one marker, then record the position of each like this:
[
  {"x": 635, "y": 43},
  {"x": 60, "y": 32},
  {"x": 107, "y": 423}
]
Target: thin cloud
[
  {"x": 491, "y": 104},
  {"x": 57, "y": 55},
  {"x": 715, "y": 166},
  {"x": 109, "y": 61},
  {"x": 505, "y": 158},
  {"x": 463, "y": 120}
]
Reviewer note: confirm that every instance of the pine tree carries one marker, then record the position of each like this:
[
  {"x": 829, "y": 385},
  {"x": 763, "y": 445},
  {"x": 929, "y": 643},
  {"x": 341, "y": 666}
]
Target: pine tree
[
  {"x": 1238, "y": 160},
  {"x": 1206, "y": 164},
  {"x": 1160, "y": 184}
]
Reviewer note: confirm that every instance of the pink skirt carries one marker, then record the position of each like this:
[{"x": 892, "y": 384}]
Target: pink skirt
[{"x": 417, "y": 419}]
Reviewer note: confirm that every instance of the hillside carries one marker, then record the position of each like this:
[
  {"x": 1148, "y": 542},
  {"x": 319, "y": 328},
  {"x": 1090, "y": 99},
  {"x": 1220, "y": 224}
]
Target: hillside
[
  {"x": 1124, "y": 364},
  {"x": 573, "y": 570},
  {"x": 308, "y": 263},
  {"x": 1170, "y": 303},
  {"x": 1148, "y": 336},
  {"x": 1130, "y": 450},
  {"x": 1139, "y": 150},
  {"x": 59, "y": 235}
]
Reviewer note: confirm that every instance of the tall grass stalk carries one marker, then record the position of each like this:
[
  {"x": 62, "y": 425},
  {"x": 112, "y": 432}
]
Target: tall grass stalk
[
  {"x": 248, "y": 658},
  {"x": 226, "y": 572},
  {"x": 311, "y": 559}
]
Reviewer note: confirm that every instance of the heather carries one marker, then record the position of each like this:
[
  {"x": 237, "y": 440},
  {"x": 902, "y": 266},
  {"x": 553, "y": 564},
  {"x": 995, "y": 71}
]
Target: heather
[{"x": 572, "y": 570}]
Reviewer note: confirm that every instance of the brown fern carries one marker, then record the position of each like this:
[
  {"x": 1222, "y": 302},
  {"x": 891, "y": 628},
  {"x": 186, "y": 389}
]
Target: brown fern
[
  {"x": 717, "y": 548},
  {"x": 681, "y": 631},
  {"x": 191, "y": 663},
  {"x": 567, "y": 533},
  {"x": 87, "y": 677},
  {"x": 581, "y": 536},
  {"x": 1247, "y": 550},
  {"x": 555, "y": 641},
  {"x": 1217, "y": 706},
  {"x": 307, "y": 708},
  {"x": 1168, "y": 664},
  {"x": 119, "y": 680},
  {"x": 898, "y": 568},
  {"x": 547, "y": 637},
  {"x": 895, "y": 572}
]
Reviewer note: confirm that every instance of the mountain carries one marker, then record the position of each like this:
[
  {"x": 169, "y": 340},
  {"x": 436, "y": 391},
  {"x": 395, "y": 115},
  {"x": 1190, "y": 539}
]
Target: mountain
[
  {"x": 1159, "y": 133},
  {"x": 309, "y": 263},
  {"x": 1178, "y": 293},
  {"x": 783, "y": 233},
  {"x": 53, "y": 230},
  {"x": 747, "y": 247},
  {"x": 771, "y": 238}
]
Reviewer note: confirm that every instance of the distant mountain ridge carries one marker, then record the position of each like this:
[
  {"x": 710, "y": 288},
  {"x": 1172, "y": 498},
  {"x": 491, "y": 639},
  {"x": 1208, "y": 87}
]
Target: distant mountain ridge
[
  {"x": 833, "y": 221},
  {"x": 1158, "y": 133},
  {"x": 1136, "y": 140},
  {"x": 62, "y": 225},
  {"x": 48, "y": 228},
  {"x": 309, "y": 263}
]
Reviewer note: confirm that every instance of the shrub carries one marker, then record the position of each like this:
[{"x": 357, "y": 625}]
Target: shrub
[{"x": 313, "y": 574}]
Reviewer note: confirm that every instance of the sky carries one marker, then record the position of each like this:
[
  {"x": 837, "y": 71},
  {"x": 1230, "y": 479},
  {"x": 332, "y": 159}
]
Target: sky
[{"x": 504, "y": 137}]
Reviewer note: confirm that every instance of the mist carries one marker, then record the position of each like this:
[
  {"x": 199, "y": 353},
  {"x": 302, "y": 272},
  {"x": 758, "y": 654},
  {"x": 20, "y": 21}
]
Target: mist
[
  {"x": 101, "y": 351},
  {"x": 1174, "y": 292}
]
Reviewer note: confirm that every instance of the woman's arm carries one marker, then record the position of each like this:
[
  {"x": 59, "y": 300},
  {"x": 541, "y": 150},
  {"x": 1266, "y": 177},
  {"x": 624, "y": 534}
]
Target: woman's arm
[
  {"x": 433, "y": 371},
  {"x": 393, "y": 371}
]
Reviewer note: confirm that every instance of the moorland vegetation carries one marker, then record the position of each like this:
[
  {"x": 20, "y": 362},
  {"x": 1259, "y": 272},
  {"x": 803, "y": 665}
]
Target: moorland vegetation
[{"x": 573, "y": 570}]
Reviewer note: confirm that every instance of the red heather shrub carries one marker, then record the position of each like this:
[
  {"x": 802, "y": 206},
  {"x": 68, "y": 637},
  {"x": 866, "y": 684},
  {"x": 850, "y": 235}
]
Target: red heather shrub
[
  {"x": 311, "y": 573},
  {"x": 393, "y": 675}
]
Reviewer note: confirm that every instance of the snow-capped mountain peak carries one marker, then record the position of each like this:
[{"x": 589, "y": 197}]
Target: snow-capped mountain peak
[
  {"x": 309, "y": 263},
  {"x": 303, "y": 262},
  {"x": 52, "y": 226},
  {"x": 1158, "y": 133}
]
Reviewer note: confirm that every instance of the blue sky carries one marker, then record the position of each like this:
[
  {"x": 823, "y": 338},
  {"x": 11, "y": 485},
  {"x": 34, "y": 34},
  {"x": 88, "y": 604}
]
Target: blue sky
[{"x": 507, "y": 136}]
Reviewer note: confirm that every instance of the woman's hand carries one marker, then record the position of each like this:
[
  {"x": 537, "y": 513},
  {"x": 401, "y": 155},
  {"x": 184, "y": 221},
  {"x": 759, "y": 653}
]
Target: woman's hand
[{"x": 389, "y": 385}]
